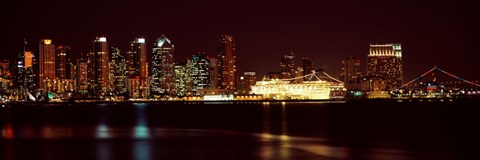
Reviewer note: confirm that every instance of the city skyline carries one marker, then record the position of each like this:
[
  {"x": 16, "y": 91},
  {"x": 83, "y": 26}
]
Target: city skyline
[{"x": 430, "y": 34}]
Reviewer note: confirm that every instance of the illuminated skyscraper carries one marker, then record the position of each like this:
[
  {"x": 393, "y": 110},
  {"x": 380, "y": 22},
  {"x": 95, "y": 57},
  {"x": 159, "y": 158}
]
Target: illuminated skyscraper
[
  {"x": 385, "y": 62},
  {"x": 26, "y": 77},
  {"x": 246, "y": 82},
  {"x": 227, "y": 69},
  {"x": 200, "y": 72},
  {"x": 62, "y": 62},
  {"x": 137, "y": 69},
  {"x": 99, "y": 70},
  {"x": 350, "y": 74},
  {"x": 118, "y": 67},
  {"x": 5, "y": 76},
  {"x": 307, "y": 66},
  {"x": 214, "y": 80},
  {"x": 82, "y": 75},
  {"x": 163, "y": 68},
  {"x": 182, "y": 79},
  {"x": 287, "y": 65},
  {"x": 47, "y": 65}
]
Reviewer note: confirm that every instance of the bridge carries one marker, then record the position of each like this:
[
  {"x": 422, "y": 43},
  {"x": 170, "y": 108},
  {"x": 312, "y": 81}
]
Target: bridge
[{"x": 435, "y": 89}]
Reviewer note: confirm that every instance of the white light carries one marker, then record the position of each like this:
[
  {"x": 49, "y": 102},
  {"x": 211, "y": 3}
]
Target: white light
[
  {"x": 141, "y": 40},
  {"x": 102, "y": 39}
]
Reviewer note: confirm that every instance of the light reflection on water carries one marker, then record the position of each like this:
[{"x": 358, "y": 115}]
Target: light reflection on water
[{"x": 273, "y": 140}]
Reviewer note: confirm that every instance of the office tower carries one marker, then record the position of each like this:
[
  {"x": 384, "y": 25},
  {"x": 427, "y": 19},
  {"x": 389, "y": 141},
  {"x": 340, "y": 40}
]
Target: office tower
[
  {"x": 182, "y": 81},
  {"x": 62, "y": 62},
  {"x": 287, "y": 66},
  {"x": 163, "y": 68},
  {"x": 245, "y": 82},
  {"x": 350, "y": 74},
  {"x": 214, "y": 81},
  {"x": 46, "y": 66},
  {"x": 118, "y": 67},
  {"x": 199, "y": 73},
  {"x": 99, "y": 70},
  {"x": 227, "y": 69},
  {"x": 5, "y": 76},
  {"x": 26, "y": 77},
  {"x": 307, "y": 66},
  {"x": 385, "y": 62},
  {"x": 137, "y": 69},
  {"x": 82, "y": 75}
]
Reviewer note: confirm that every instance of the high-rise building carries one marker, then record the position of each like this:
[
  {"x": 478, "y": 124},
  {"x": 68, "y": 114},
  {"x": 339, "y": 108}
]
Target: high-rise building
[
  {"x": 246, "y": 82},
  {"x": 214, "y": 77},
  {"x": 26, "y": 77},
  {"x": 385, "y": 62},
  {"x": 47, "y": 66},
  {"x": 287, "y": 65},
  {"x": 350, "y": 74},
  {"x": 227, "y": 69},
  {"x": 5, "y": 76},
  {"x": 163, "y": 68},
  {"x": 307, "y": 66},
  {"x": 182, "y": 79},
  {"x": 62, "y": 62},
  {"x": 118, "y": 66},
  {"x": 200, "y": 72},
  {"x": 99, "y": 68},
  {"x": 82, "y": 75},
  {"x": 137, "y": 69}
]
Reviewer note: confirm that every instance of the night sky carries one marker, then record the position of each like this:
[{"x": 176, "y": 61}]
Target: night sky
[{"x": 442, "y": 33}]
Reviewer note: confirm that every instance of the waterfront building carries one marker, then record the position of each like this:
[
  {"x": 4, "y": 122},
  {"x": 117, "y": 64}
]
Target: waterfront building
[
  {"x": 246, "y": 81},
  {"x": 82, "y": 75},
  {"x": 287, "y": 65},
  {"x": 227, "y": 69},
  {"x": 199, "y": 72},
  {"x": 182, "y": 80},
  {"x": 385, "y": 62},
  {"x": 99, "y": 68},
  {"x": 163, "y": 68},
  {"x": 118, "y": 67},
  {"x": 350, "y": 74},
  {"x": 307, "y": 67},
  {"x": 47, "y": 69},
  {"x": 137, "y": 68}
]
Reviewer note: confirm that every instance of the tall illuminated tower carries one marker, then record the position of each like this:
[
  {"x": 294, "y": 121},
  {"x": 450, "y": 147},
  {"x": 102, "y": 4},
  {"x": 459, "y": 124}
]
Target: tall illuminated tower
[
  {"x": 200, "y": 72},
  {"x": 385, "y": 61},
  {"x": 307, "y": 67},
  {"x": 137, "y": 69},
  {"x": 287, "y": 65},
  {"x": 163, "y": 68},
  {"x": 227, "y": 69},
  {"x": 46, "y": 65},
  {"x": 62, "y": 61},
  {"x": 99, "y": 68},
  {"x": 350, "y": 74}
]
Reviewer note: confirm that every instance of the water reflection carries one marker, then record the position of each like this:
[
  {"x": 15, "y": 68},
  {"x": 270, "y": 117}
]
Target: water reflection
[
  {"x": 7, "y": 131},
  {"x": 102, "y": 129},
  {"x": 141, "y": 129}
]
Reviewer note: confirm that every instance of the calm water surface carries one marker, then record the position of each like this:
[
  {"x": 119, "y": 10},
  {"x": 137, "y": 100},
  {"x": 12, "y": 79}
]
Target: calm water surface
[{"x": 260, "y": 130}]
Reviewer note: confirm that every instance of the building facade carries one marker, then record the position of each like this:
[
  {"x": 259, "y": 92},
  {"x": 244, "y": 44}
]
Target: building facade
[
  {"x": 137, "y": 69},
  {"x": 47, "y": 71},
  {"x": 307, "y": 66},
  {"x": 246, "y": 82},
  {"x": 118, "y": 66},
  {"x": 227, "y": 69},
  {"x": 350, "y": 74},
  {"x": 287, "y": 66},
  {"x": 385, "y": 62},
  {"x": 163, "y": 68},
  {"x": 200, "y": 72},
  {"x": 99, "y": 67}
]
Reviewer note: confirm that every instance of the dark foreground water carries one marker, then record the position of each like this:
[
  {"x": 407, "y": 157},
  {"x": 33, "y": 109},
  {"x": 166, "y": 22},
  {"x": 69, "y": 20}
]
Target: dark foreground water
[{"x": 310, "y": 130}]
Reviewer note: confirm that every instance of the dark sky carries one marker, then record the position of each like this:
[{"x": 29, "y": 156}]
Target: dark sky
[{"x": 443, "y": 33}]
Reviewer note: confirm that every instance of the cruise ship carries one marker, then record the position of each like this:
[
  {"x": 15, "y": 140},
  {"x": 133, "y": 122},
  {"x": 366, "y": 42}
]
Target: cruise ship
[{"x": 285, "y": 89}]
